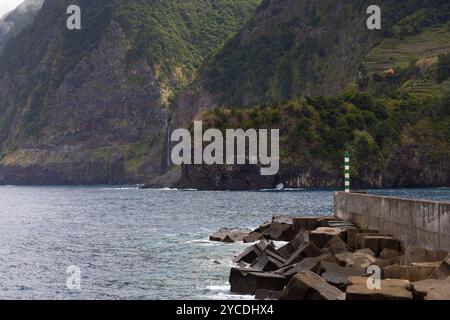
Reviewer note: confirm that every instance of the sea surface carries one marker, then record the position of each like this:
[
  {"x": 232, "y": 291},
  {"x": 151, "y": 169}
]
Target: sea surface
[{"x": 136, "y": 244}]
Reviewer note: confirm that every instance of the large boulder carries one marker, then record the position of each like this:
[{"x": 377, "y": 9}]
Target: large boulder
[
  {"x": 279, "y": 232},
  {"x": 309, "y": 286},
  {"x": 410, "y": 273},
  {"x": 337, "y": 275},
  {"x": 352, "y": 234},
  {"x": 443, "y": 270},
  {"x": 308, "y": 264},
  {"x": 390, "y": 289},
  {"x": 387, "y": 253},
  {"x": 432, "y": 289},
  {"x": 283, "y": 219},
  {"x": 337, "y": 245},
  {"x": 269, "y": 260},
  {"x": 230, "y": 235},
  {"x": 356, "y": 259},
  {"x": 310, "y": 223},
  {"x": 321, "y": 236},
  {"x": 288, "y": 249},
  {"x": 263, "y": 227},
  {"x": 377, "y": 243},
  {"x": 247, "y": 281},
  {"x": 305, "y": 250},
  {"x": 417, "y": 254},
  {"x": 253, "y": 252},
  {"x": 253, "y": 237},
  {"x": 340, "y": 224}
]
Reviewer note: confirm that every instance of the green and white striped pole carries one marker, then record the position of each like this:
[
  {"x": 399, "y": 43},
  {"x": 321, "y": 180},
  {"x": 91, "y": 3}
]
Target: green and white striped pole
[{"x": 347, "y": 172}]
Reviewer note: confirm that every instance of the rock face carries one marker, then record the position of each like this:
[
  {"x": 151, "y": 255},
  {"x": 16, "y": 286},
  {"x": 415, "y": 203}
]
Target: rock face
[
  {"x": 92, "y": 107},
  {"x": 309, "y": 286},
  {"x": 15, "y": 21}
]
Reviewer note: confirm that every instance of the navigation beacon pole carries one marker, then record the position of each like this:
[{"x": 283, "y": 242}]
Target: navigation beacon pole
[{"x": 347, "y": 172}]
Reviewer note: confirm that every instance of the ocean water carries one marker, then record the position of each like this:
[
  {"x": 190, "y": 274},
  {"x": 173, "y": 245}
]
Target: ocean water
[{"x": 136, "y": 244}]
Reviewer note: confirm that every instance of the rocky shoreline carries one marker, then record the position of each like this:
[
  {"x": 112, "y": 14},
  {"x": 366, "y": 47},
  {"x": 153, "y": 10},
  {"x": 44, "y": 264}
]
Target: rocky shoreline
[{"x": 324, "y": 258}]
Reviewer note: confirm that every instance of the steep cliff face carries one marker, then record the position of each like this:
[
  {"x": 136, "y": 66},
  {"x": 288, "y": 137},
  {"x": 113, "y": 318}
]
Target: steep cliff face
[
  {"x": 322, "y": 48},
  {"x": 15, "y": 21},
  {"x": 97, "y": 105},
  {"x": 90, "y": 106}
]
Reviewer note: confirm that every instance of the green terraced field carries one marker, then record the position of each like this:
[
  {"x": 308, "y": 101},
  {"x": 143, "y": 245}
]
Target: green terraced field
[{"x": 391, "y": 53}]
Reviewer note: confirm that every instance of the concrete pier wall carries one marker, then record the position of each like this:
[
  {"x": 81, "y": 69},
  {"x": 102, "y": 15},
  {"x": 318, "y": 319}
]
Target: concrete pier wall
[{"x": 416, "y": 222}]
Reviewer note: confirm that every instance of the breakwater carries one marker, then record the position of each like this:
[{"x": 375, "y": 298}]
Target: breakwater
[
  {"x": 422, "y": 223},
  {"x": 375, "y": 248}
]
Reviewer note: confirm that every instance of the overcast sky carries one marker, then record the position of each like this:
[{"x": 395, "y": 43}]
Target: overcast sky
[{"x": 8, "y": 5}]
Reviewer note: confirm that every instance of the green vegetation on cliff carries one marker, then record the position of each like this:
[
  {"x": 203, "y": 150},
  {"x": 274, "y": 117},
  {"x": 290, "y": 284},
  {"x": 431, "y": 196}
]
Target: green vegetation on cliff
[
  {"x": 74, "y": 100},
  {"x": 372, "y": 128},
  {"x": 317, "y": 47},
  {"x": 180, "y": 34}
]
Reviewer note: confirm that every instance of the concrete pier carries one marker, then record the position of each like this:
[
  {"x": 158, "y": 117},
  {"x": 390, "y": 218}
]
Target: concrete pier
[{"x": 416, "y": 222}]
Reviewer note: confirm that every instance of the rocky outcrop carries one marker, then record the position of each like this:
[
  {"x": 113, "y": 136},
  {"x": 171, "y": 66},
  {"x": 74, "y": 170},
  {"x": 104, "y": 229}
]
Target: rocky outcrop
[{"x": 91, "y": 106}]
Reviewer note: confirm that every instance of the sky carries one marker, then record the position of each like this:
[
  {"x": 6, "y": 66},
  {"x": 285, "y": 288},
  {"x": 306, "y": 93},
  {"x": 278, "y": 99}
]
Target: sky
[{"x": 8, "y": 5}]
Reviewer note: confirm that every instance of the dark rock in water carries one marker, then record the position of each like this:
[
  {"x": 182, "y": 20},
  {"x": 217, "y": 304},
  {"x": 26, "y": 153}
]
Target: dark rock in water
[
  {"x": 358, "y": 289},
  {"x": 310, "y": 223},
  {"x": 321, "y": 236},
  {"x": 269, "y": 260},
  {"x": 247, "y": 281},
  {"x": 264, "y": 294},
  {"x": 279, "y": 232},
  {"x": 418, "y": 254},
  {"x": 309, "y": 286},
  {"x": 253, "y": 252},
  {"x": 337, "y": 275},
  {"x": 410, "y": 273},
  {"x": 432, "y": 289},
  {"x": 253, "y": 237},
  {"x": 216, "y": 262},
  {"x": 377, "y": 243},
  {"x": 306, "y": 250},
  {"x": 308, "y": 264},
  {"x": 352, "y": 234},
  {"x": 230, "y": 235}
]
